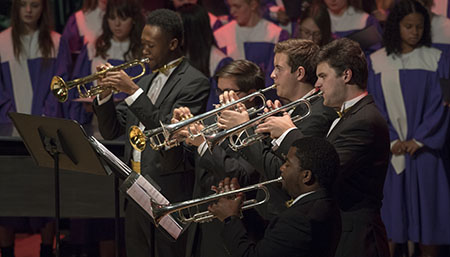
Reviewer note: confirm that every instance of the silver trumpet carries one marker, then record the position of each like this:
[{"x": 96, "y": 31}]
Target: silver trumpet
[
  {"x": 159, "y": 210},
  {"x": 240, "y": 136},
  {"x": 162, "y": 137}
]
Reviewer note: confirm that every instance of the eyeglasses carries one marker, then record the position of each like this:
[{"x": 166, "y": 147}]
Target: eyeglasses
[
  {"x": 307, "y": 33},
  {"x": 220, "y": 91}
]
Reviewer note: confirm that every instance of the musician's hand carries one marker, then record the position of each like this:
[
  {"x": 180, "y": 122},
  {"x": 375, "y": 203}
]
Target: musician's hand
[
  {"x": 230, "y": 118},
  {"x": 227, "y": 206},
  {"x": 275, "y": 125},
  {"x": 195, "y": 129},
  {"x": 120, "y": 81},
  {"x": 272, "y": 105},
  {"x": 398, "y": 148},
  {"x": 228, "y": 97},
  {"x": 411, "y": 147},
  {"x": 180, "y": 114},
  {"x": 101, "y": 83}
]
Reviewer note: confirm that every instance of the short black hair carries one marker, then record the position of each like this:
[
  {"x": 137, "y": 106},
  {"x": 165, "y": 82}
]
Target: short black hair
[
  {"x": 392, "y": 38},
  {"x": 342, "y": 54},
  {"x": 246, "y": 74},
  {"x": 169, "y": 22},
  {"x": 320, "y": 157}
]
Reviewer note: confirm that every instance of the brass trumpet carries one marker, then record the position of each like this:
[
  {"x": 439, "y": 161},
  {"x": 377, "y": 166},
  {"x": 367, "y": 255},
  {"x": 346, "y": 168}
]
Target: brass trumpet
[
  {"x": 161, "y": 137},
  {"x": 245, "y": 138},
  {"x": 60, "y": 88},
  {"x": 159, "y": 210}
]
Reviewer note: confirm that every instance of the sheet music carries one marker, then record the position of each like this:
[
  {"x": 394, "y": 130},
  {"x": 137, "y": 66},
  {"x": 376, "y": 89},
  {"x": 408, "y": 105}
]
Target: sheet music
[{"x": 141, "y": 191}]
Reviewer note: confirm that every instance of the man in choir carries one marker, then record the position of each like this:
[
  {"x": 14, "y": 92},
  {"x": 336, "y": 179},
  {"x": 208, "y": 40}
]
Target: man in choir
[
  {"x": 174, "y": 83},
  {"x": 310, "y": 226}
]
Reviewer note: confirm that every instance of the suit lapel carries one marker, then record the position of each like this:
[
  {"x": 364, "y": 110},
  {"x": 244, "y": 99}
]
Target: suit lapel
[
  {"x": 171, "y": 82},
  {"x": 354, "y": 109}
]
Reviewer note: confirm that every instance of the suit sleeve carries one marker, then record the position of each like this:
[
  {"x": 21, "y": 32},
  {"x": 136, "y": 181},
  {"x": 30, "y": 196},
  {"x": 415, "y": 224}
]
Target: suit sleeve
[{"x": 285, "y": 237}]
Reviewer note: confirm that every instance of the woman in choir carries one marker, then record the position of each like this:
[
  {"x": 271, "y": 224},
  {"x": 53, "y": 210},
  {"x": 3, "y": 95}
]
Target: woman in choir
[
  {"x": 85, "y": 25},
  {"x": 200, "y": 47},
  {"x": 119, "y": 42},
  {"x": 348, "y": 17},
  {"x": 249, "y": 36},
  {"x": 31, "y": 53},
  {"x": 314, "y": 24},
  {"x": 404, "y": 81}
]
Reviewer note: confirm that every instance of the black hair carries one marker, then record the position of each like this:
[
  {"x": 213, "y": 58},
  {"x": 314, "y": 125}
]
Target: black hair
[
  {"x": 198, "y": 38},
  {"x": 169, "y": 22},
  {"x": 320, "y": 157},
  {"x": 392, "y": 38}
]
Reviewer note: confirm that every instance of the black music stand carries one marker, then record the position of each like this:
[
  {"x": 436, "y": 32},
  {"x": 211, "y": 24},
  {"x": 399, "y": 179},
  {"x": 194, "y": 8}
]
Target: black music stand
[{"x": 59, "y": 144}]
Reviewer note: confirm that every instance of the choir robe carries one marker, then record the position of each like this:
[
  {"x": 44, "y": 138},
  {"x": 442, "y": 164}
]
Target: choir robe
[
  {"x": 86, "y": 64},
  {"x": 406, "y": 89},
  {"x": 441, "y": 7},
  {"x": 352, "y": 21},
  {"x": 440, "y": 33},
  {"x": 255, "y": 44},
  {"x": 82, "y": 28},
  {"x": 25, "y": 83}
]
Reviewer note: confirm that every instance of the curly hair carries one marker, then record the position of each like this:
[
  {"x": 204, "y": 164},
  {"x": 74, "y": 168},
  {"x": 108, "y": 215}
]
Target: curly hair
[
  {"x": 320, "y": 157},
  {"x": 124, "y": 9},
  {"x": 300, "y": 52},
  {"x": 247, "y": 74},
  {"x": 169, "y": 22},
  {"x": 392, "y": 38}
]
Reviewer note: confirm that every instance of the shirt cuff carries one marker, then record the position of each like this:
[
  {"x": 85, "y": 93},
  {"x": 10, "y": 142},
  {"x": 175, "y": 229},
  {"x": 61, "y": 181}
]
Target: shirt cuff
[
  {"x": 104, "y": 100},
  {"x": 419, "y": 143},
  {"x": 130, "y": 99},
  {"x": 277, "y": 142}
]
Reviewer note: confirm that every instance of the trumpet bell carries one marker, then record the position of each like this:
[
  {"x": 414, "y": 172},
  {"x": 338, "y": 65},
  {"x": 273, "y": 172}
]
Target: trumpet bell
[
  {"x": 137, "y": 138},
  {"x": 59, "y": 89}
]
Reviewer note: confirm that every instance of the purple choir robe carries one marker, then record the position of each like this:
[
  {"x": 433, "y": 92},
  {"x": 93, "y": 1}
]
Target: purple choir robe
[
  {"x": 32, "y": 73},
  {"x": 352, "y": 21},
  {"x": 406, "y": 89},
  {"x": 255, "y": 44},
  {"x": 82, "y": 28},
  {"x": 440, "y": 33}
]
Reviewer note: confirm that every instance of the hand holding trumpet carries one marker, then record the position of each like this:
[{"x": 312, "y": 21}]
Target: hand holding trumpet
[
  {"x": 117, "y": 80},
  {"x": 225, "y": 206},
  {"x": 233, "y": 116}
]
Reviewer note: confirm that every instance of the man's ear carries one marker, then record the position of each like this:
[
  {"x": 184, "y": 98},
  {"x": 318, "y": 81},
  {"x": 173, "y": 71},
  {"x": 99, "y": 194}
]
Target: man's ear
[
  {"x": 348, "y": 74},
  {"x": 173, "y": 44},
  {"x": 307, "y": 177},
  {"x": 301, "y": 73}
]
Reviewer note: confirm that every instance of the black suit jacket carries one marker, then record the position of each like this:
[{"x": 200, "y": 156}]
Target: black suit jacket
[
  {"x": 361, "y": 139},
  {"x": 268, "y": 163},
  {"x": 310, "y": 227},
  {"x": 170, "y": 169}
]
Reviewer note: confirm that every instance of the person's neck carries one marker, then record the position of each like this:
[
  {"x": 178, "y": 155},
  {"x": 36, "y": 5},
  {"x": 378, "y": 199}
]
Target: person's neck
[
  {"x": 339, "y": 12},
  {"x": 353, "y": 91},
  {"x": 29, "y": 29},
  {"x": 254, "y": 19},
  {"x": 302, "y": 89}
]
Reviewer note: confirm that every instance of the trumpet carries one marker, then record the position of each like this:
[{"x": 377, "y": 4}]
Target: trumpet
[
  {"x": 245, "y": 138},
  {"x": 60, "y": 88},
  {"x": 161, "y": 137},
  {"x": 160, "y": 210}
]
